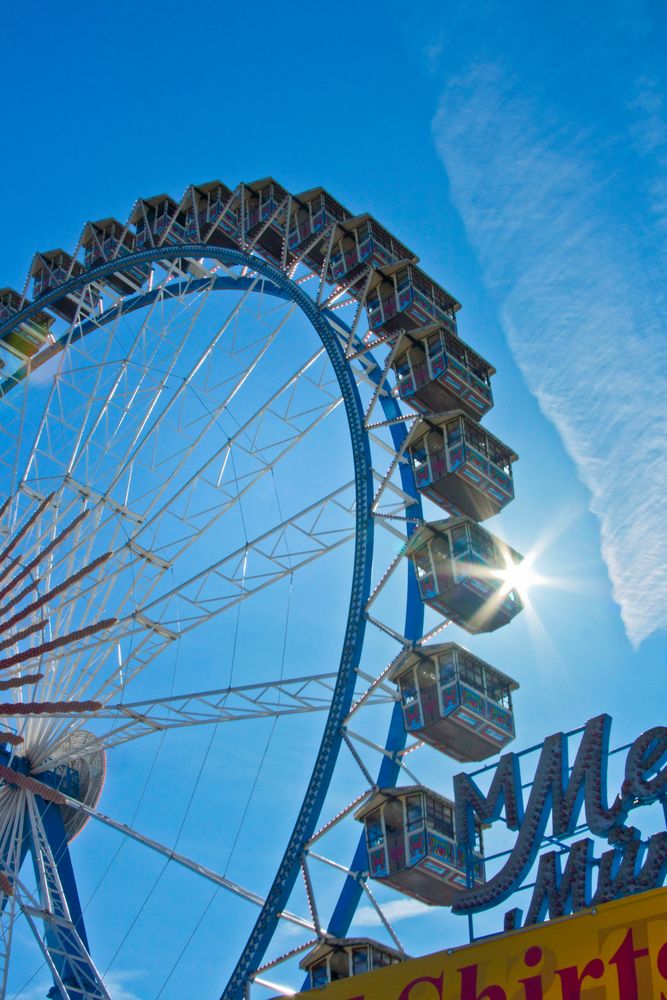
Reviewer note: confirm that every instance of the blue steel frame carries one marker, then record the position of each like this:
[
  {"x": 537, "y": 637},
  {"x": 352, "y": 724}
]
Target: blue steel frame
[{"x": 274, "y": 282}]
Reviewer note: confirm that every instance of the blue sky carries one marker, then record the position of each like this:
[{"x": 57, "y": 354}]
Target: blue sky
[{"x": 522, "y": 158}]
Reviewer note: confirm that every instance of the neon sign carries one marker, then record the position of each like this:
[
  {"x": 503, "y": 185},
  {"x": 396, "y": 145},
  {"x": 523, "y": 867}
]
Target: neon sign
[{"x": 561, "y": 792}]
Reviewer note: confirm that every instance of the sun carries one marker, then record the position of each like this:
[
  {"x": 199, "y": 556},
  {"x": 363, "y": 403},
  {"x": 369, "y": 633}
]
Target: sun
[{"x": 520, "y": 576}]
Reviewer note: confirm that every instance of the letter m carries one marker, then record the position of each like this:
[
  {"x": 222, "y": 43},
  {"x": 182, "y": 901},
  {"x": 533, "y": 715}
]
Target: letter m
[
  {"x": 505, "y": 791},
  {"x": 563, "y": 892}
]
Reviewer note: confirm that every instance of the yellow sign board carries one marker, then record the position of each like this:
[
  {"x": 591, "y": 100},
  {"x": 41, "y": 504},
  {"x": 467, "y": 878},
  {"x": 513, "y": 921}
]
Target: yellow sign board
[{"x": 617, "y": 951}]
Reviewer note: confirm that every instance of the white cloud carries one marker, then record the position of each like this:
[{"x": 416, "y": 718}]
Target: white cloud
[
  {"x": 399, "y": 909},
  {"x": 581, "y": 295},
  {"x": 115, "y": 982},
  {"x": 117, "y": 985}
]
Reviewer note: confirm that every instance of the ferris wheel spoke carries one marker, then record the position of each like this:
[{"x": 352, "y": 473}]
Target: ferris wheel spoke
[
  {"x": 52, "y": 568},
  {"x": 89, "y": 397},
  {"x": 232, "y": 704},
  {"x": 8, "y": 917},
  {"x": 79, "y": 414},
  {"x": 144, "y": 432},
  {"x": 264, "y": 454},
  {"x": 271, "y": 699},
  {"x": 100, "y": 398},
  {"x": 279, "y": 552},
  {"x": 284, "y": 550},
  {"x": 213, "y": 416},
  {"x": 286, "y": 547},
  {"x": 54, "y": 401},
  {"x": 52, "y": 894},
  {"x": 218, "y": 473}
]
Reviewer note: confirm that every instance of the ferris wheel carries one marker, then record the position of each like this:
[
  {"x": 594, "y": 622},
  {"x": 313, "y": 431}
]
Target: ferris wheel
[{"x": 220, "y": 423}]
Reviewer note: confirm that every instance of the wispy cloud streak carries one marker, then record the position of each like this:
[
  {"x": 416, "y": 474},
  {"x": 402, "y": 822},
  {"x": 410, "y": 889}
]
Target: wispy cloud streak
[
  {"x": 580, "y": 289},
  {"x": 397, "y": 909}
]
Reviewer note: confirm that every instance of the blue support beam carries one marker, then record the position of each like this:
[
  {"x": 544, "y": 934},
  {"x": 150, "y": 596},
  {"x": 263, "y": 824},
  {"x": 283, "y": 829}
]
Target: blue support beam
[{"x": 54, "y": 828}]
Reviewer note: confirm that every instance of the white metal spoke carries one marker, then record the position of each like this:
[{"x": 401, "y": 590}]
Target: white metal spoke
[
  {"x": 183, "y": 860},
  {"x": 368, "y": 777},
  {"x": 380, "y": 912},
  {"x": 132, "y": 720},
  {"x": 340, "y": 816},
  {"x": 389, "y": 754},
  {"x": 267, "y": 559},
  {"x": 310, "y": 895},
  {"x": 297, "y": 950},
  {"x": 281, "y": 550},
  {"x": 140, "y": 439}
]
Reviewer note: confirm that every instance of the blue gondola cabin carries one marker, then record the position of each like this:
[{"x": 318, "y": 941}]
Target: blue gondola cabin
[
  {"x": 403, "y": 297},
  {"x": 51, "y": 269},
  {"x": 211, "y": 215},
  {"x": 412, "y": 845},
  {"x": 28, "y": 337},
  {"x": 157, "y": 220},
  {"x": 456, "y": 702},
  {"x": 264, "y": 223},
  {"x": 461, "y": 466},
  {"x": 311, "y": 213},
  {"x": 435, "y": 371},
  {"x": 464, "y": 572},
  {"x": 107, "y": 240},
  {"x": 341, "y": 958},
  {"x": 362, "y": 240}
]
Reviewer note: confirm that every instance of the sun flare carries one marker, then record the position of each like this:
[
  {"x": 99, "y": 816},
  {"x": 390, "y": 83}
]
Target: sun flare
[{"x": 521, "y": 576}]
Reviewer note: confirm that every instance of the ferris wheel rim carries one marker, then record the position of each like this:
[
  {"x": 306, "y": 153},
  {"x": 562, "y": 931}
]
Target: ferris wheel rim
[{"x": 274, "y": 282}]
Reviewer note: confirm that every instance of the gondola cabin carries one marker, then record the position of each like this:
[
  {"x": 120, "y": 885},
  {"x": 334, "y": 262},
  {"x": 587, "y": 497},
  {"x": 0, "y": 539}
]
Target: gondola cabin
[
  {"x": 435, "y": 371},
  {"x": 51, "y": 269},
  {"x": 341, "y": 958},
  {"x": 212, "y": 215},
  {"x": 464, "y": 572},
  {"x": 412, "y": 845},
  {"x": 362, "y": 240},
  {"x": 461, "y": 466},
  {"x": 157, "y": 220},
  {"x": 403, "y": 297},
  {"x": 312, "y": 212},
  {"x": 107, "y": 240},
  {"x": 25, "y": 339},
  {"x": 263, "y": 222},
  {"x": 455, "y": 701}
]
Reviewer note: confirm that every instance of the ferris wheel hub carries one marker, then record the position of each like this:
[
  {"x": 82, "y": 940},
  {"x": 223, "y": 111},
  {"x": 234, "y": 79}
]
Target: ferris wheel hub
[
  {"x": 80, "y": 772},
  {"x": 76, "y": 770}
]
